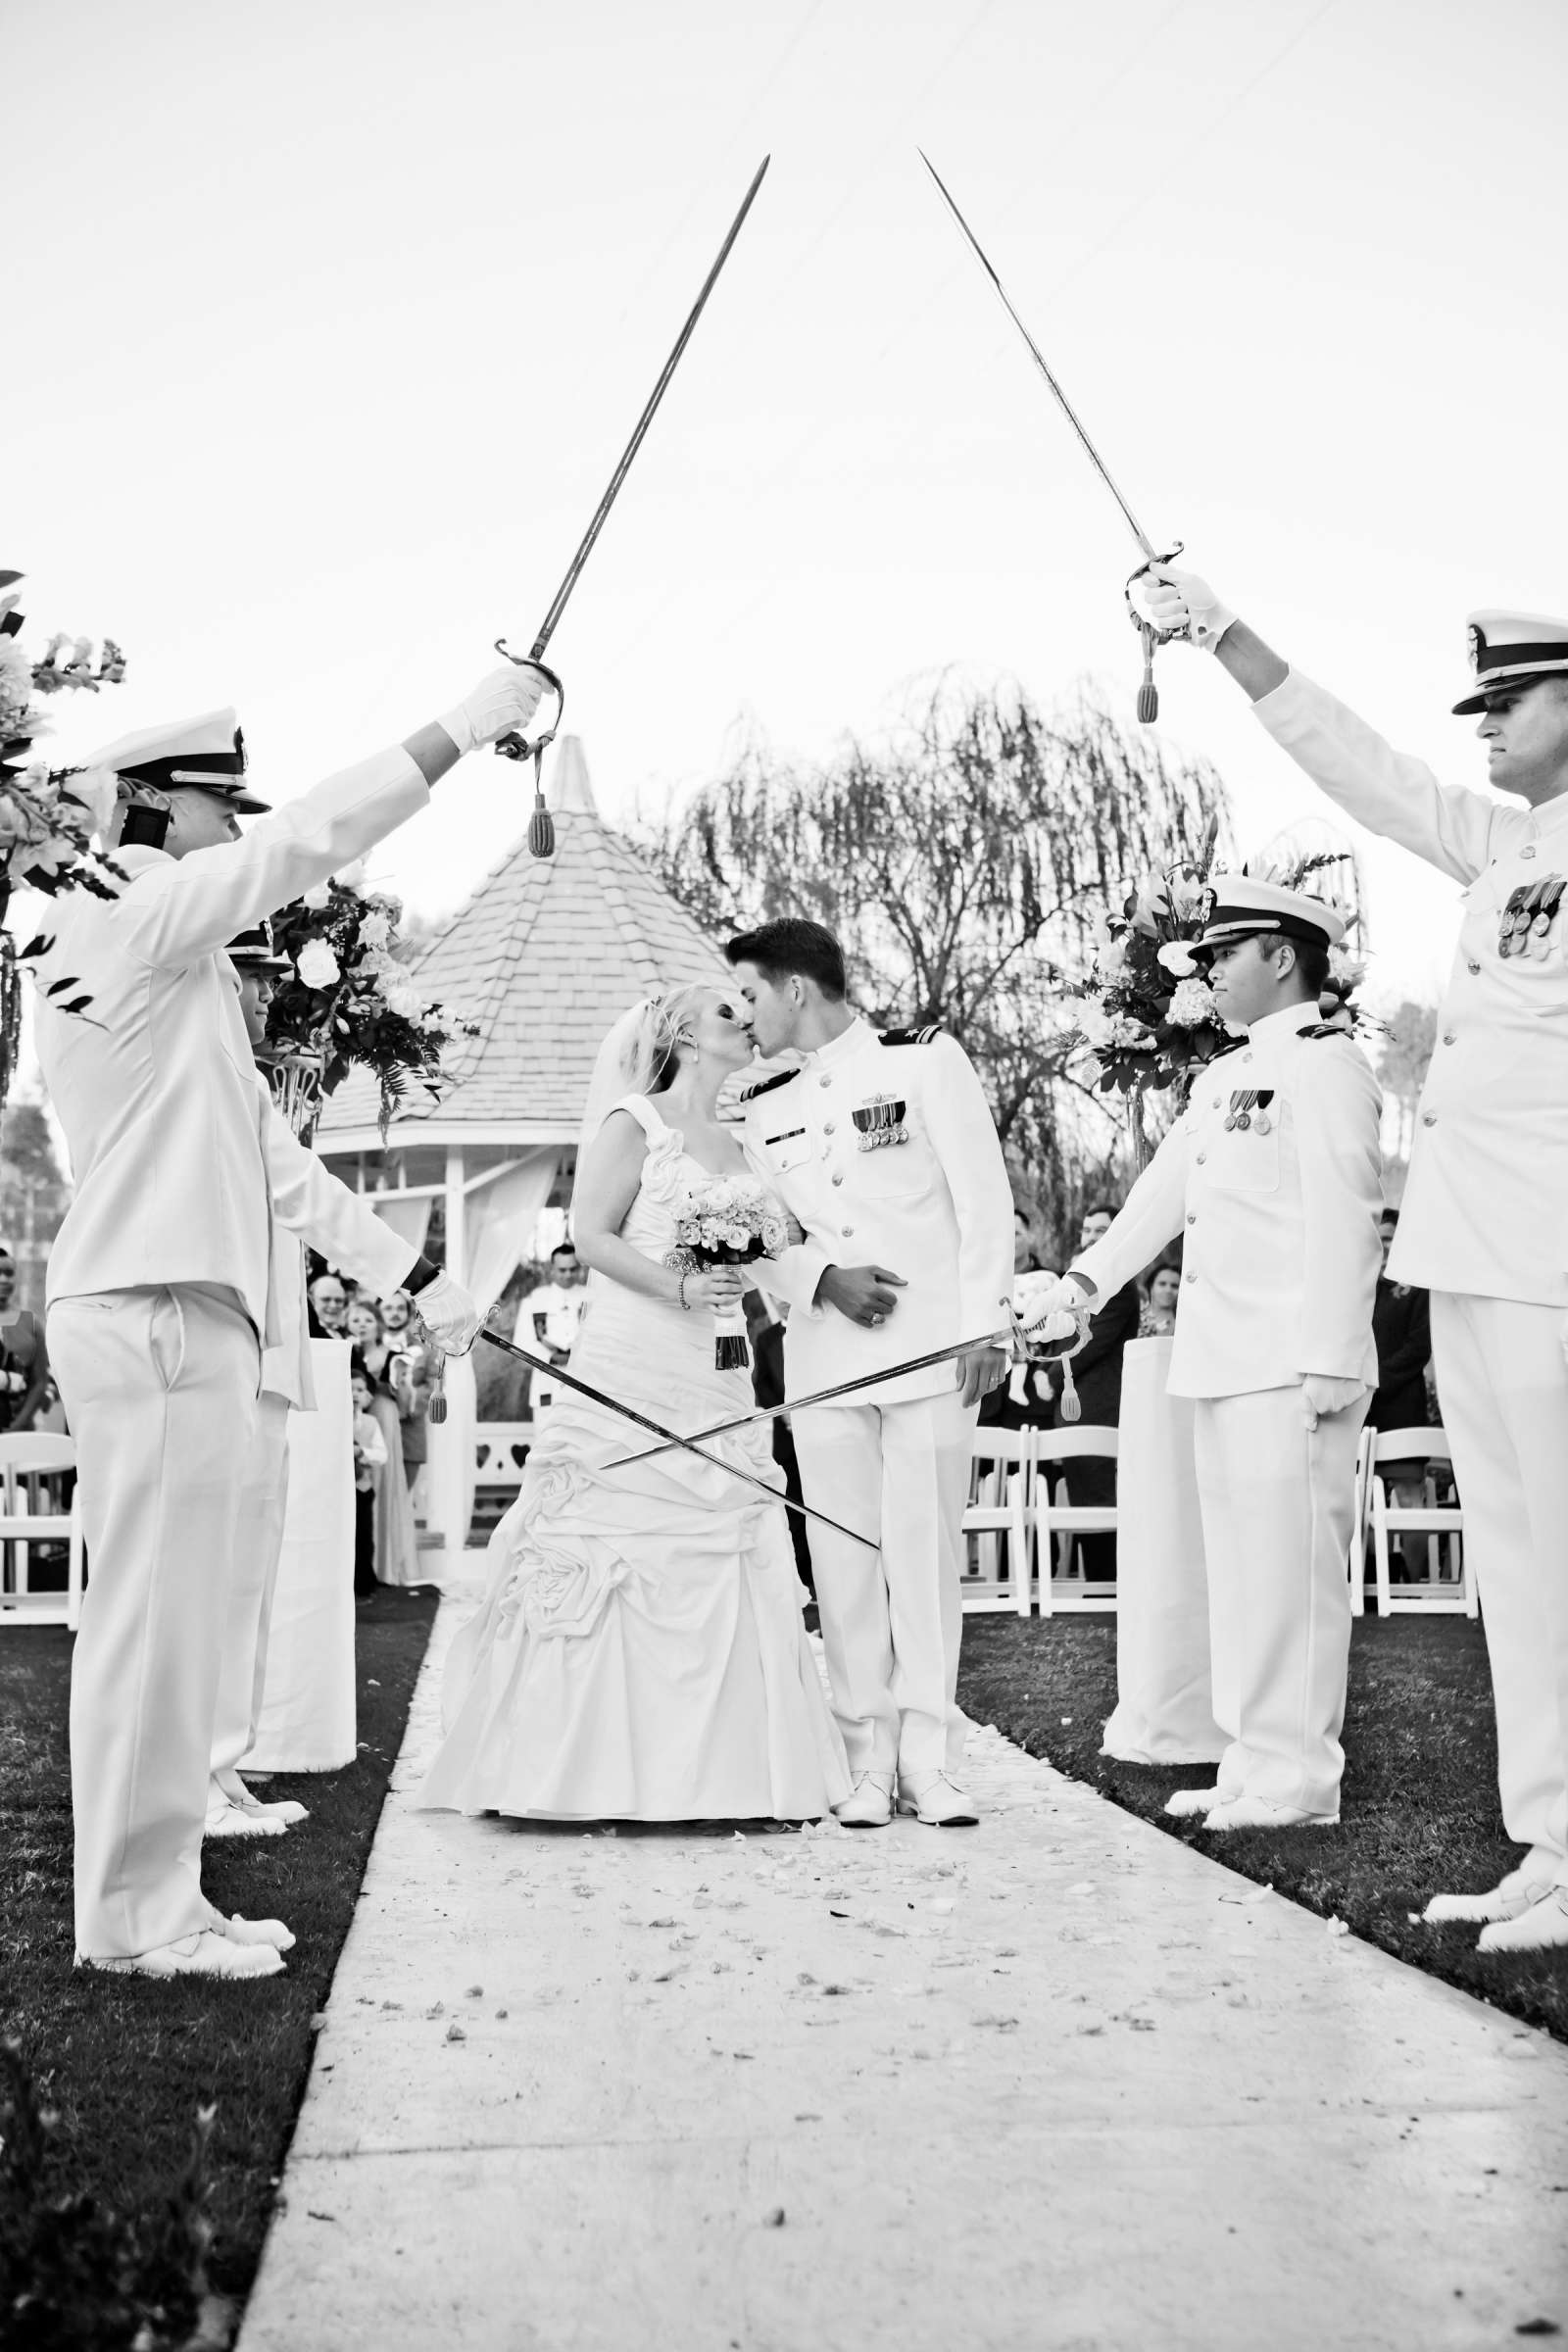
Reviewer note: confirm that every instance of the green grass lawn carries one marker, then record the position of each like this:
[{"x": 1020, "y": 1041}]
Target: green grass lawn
[
  {"x": 126, "y": 2062},
  {"x": 1419, "y": 1812}
]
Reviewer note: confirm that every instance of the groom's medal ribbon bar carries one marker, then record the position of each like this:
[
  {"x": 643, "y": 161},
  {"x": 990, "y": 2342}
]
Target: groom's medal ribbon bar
[
  {"x": 541, "y": 831},
  {"x": 613, "y": 1404}
]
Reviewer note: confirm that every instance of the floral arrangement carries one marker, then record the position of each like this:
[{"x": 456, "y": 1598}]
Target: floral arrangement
[
  {"x": 728, "y": 1221},
  {"x": 350, "y": 998},
  {"x": 48, "y": 815},
  {"x": 1149, "y": 1019}
]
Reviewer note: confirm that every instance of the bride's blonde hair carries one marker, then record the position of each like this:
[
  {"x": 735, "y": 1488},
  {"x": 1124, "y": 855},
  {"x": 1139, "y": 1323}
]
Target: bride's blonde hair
[{"x": 652, "y": 1053}]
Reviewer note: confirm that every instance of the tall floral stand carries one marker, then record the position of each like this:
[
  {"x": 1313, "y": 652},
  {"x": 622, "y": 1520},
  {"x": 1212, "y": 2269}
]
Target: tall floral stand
[
  {"x": 308, "y": 1721},
  {"x": 1165, "y": 1711}
]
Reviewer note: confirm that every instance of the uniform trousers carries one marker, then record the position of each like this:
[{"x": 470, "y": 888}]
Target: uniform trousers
[
  {"x": 160, "y": 1387},
  {"x": 891, "y": 1621},
  {"x": 1503, "y": 1388},
  {"x": 1277, "y": 1501},
  {"x": 258, "y": 1547}
]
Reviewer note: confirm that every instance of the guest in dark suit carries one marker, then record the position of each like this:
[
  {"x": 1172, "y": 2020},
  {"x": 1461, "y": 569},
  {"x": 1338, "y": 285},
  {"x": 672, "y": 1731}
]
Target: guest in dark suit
[
  {"x": 1097, "y": 1373},
  {"x": 1401, "y": 1329}
]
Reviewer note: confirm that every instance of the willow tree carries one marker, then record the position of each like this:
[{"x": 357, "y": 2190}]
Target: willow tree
[{"x": 965, "y": 862}]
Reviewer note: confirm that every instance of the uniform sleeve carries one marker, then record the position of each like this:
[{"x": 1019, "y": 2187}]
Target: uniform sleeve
[
  {"x": 1150, "y": 1216},
  {"x": 1389, "y": 792},
  {"x": 312, "y": 1202},
  {"x": 964, "y": 1136},
  {"x": 1338, "y": 1111},
  {"x": 179, "y": 910}
]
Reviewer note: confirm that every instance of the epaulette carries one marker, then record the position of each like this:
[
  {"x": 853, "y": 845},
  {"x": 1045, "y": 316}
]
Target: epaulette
[
  {"x": 910, "y": 1037},
  {"x": 1324, "y": 1029},
  {"x": 767, "y": 1084}
]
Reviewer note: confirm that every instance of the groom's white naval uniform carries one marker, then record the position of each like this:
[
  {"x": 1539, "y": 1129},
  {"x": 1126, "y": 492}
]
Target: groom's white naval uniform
[
  {"x": 1272, "y": 1176},
  {"x": 158, "y": 1297},
  {"x": 883, "y": 1147}
]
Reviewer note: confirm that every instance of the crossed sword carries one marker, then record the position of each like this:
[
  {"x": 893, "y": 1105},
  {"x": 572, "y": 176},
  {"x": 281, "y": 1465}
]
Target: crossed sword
[{"x": 1013, "y": 1335}]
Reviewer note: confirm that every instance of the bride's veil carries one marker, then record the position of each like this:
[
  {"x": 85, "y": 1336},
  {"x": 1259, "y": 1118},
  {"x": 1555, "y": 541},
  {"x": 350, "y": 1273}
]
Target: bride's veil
[{"x": 627, "y": 1055}]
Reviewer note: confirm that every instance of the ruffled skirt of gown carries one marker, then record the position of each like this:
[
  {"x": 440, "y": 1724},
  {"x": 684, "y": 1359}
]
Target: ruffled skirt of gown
[{"x": 640, "y": 1653}]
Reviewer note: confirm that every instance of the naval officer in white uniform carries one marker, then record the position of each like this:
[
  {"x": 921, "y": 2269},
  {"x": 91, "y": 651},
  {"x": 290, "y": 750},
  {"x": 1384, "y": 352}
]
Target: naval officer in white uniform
[
  {"x": 884, "y": 1150},
  {"x": 1482, "y": 1224},
  {"x": 309, "y": 1205},
  {"x": 1272, "y": 1176},
  {"x": 159, "y": 1280}
]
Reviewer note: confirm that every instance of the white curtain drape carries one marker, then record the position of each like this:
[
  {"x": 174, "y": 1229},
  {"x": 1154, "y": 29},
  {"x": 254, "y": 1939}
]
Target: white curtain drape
[{"x": 501, "y": 1218}]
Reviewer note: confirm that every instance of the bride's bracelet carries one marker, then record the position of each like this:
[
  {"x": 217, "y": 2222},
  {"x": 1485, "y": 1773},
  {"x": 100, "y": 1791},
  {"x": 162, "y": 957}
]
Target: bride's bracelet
[{"x": 681, "y": 1295}]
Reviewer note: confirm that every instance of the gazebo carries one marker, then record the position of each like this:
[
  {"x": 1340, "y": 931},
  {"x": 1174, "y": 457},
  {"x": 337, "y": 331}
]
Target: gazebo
[{"x": 544, "y": 956}]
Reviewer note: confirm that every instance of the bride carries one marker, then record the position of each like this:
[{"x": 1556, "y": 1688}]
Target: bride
[{"x": 640, "y": 1653}]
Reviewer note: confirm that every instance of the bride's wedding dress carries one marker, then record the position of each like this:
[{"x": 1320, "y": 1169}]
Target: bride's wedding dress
[{"x": 640, "y": 1653}]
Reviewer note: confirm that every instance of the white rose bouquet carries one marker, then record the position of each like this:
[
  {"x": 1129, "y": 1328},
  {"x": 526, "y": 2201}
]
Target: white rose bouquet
[{"x": 728, "y": 1221}]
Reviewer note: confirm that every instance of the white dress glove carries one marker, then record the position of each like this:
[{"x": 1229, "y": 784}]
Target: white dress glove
[
  {"x": 448, "y": 1313},
  {"x": 1323, "y": 1395},
  {"x": 500, "y": 704},
  {"x": 1037, "y": 1297},
  {"x": 1181, "y": 601}
]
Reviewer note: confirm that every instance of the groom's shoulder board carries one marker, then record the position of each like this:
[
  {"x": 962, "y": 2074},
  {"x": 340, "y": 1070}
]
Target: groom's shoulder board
[
  {"x": 767, "y": 1084},
  {"x": 911, "y": 1037}
]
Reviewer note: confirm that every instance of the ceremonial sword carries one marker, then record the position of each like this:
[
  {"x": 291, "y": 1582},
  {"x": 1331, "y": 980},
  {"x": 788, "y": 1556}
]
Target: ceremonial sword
[
  {"x": 613, "y": 1404},
  {"x": 541, "y": 828},
  {"x": 1148, "y": 633},
  {"x": 1014, "y": 1336}
]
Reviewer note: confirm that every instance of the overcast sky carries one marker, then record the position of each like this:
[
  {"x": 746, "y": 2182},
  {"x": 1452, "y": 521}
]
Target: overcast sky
[{"x": 327, "y": 324}]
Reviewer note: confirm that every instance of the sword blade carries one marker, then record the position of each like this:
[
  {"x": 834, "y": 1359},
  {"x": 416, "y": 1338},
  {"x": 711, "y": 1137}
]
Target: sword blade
[
  {"x": 613, "y": 1404},
  {"x": 563, "y": 593},
  {"x": 844, "y": 1388},
  {"x": 1066, "y": 405}
]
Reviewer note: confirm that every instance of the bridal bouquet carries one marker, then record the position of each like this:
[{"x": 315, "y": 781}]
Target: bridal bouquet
[
  {"x": 728, "y": 1221},
  {"x": 350, "y": 999}
]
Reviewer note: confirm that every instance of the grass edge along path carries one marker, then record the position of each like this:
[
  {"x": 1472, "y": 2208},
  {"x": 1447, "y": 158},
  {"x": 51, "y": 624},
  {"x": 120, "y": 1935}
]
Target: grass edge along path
[
  {"x": 1419, "y": 1812},
  {"x": 128, "y": 2064}
]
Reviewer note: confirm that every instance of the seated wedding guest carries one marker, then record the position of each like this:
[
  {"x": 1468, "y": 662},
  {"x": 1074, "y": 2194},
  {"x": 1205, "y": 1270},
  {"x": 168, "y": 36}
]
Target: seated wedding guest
[
  {"x": 1097, "y": 1374},
  {"x": 329, "y": 1305},
  {"x": 1025, "y": 1399},
  {"x": 1158, "y": 1318},
  {"x": 24, "y": 1355},
  {"x": 369, "y": 1461},
  {"x": 549, "y": 1315},
  {"x": 1401, "y": 1331},
  {"x": 397, "y": 1548}
]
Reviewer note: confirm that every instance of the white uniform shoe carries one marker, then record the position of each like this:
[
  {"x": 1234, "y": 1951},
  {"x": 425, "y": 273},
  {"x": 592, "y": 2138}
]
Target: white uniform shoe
[
  {"x": 250, "y": 1930},
  {"x": 1513, "y": 1894},
  {"x": 224, "y": 1820},
  {"x": 203, "y": 1955},
  {"x": 1541, "y": 1929},
  {"x": 869, "y": 1807},
  {"x": 1257, "y": 1813},
  {"x": 1184, "y": 1803},
  {"x": 939, "y": 1802},
  {"x": 286, "y": 1809}
]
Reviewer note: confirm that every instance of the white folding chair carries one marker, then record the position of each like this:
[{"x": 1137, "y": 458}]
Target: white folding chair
[
  {"x": 1450, "y": 1588},
  {"x": 33, "y": 1511},
  {"x": 1002, "y": 1479},
  {"x": 1057, "y": 1587},
  {"x": 1360, "y": 1523}
]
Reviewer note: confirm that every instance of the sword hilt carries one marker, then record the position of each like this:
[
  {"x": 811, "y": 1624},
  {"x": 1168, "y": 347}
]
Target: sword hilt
[
  {"x": 1152, "y": 638},
  {"x": 541, "y": 824}
]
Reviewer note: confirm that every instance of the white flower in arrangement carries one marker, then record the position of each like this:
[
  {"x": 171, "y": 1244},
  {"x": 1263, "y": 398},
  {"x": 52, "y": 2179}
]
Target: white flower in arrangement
[
  {"x": 1112, "y": 959},
  {"x": 1348, "y": 968},
  {"x": 317, "y": 964},
  {"x": 15, "y": 690},
  {"x": 351, "y": 878},
  {"x": 1192, "y": 1004},
  {"x": 1185, "y": 894},
  {"x": 376, "y": 930},
  {"x": 319, "y": 897},
  {"x": 403, "y": 995},
  {"x": 97, "y": 789},
  {"x": 1178, "y": 958}
]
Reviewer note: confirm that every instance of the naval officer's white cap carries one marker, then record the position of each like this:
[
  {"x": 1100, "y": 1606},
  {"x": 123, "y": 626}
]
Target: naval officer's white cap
[
  {"x": 1512, "y": 649},
  {"x": 207, "y": 751},
  {"x": 1238, "y": 908}
]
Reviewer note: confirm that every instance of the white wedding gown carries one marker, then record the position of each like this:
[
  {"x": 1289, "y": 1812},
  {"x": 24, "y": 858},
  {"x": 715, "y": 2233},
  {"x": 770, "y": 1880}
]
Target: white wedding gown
[{"x": 640, "y": 1653}]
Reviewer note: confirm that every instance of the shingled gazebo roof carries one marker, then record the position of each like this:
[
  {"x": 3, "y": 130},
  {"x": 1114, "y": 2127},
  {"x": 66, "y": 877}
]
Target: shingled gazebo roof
[{"x": 545, "y": 956}]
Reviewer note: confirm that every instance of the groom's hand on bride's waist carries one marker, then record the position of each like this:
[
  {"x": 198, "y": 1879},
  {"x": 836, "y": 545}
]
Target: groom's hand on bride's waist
[{"x": 866, "y": 1295}]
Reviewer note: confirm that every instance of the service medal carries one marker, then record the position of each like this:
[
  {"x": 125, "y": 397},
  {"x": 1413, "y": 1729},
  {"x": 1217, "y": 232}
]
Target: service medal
[{"x": 879, "y": 1123}]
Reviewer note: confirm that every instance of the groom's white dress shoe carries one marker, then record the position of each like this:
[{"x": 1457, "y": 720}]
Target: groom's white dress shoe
[
  {"x": 224, "y": 1820},
  {"x": 286, "y": 1809},
  {"x": 1541, "y": 1929},
  {"x": 869, "y": 1807},
  {"x": 240, "y": 1930},
  {"x": 939, "y": 1802},
  {"x": 1184, "y": 1803},
  {"x": 203, "y": 1955},
  {"x": 1518, "y": 1891},
  {"x": 1257, "y": 1813}
]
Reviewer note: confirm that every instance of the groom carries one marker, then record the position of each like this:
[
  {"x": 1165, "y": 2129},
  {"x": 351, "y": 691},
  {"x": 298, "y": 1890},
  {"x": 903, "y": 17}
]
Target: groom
[{"x": 882, "y": 1146}]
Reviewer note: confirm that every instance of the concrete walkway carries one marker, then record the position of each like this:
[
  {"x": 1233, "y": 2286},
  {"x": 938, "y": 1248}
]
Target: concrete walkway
[{"x": 1056, "y": 2082}]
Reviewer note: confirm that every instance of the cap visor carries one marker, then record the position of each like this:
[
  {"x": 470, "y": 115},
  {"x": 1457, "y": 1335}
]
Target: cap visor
[
  {"x": 244, "y": 804},
  {"x": 1503, "y": 682}
]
